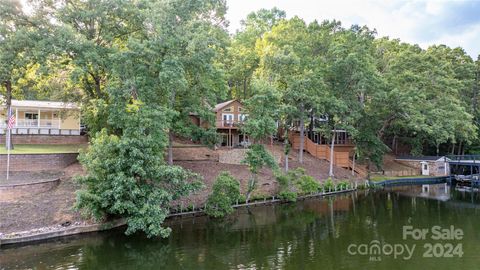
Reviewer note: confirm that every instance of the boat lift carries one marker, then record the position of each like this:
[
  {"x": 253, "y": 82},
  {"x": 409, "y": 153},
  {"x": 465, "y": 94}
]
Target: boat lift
[{"x": 465, "y": 169}]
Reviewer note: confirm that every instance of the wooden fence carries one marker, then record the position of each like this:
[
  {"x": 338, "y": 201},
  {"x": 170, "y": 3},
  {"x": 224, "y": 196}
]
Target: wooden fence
[{"x": 341, "y": 153}]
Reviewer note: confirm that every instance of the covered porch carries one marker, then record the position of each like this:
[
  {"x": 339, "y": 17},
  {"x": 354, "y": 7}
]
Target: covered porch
[{"x": 42, "y": 121}]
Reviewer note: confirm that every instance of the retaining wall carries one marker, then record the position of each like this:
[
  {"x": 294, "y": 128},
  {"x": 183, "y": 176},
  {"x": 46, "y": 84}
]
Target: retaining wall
[
  {"x": 12, "y": 192},
  {"x": 46, "y": 139},
  {"x": 37, "y": 162},
  {"x": 235, "y": 156}
]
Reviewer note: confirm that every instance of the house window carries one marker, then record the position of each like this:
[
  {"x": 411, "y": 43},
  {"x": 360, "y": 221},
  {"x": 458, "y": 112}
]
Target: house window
[
  {"x": 31, "y": 116},
  {"x": 227, "y": 119},
  {"x": 240, "y": 109},
  {"x": 229, "y": 109},
  {"x": 242, "y": 117}
]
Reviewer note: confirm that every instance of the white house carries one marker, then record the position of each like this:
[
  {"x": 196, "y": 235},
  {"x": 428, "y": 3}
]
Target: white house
[{"x": 42, "y": 117}]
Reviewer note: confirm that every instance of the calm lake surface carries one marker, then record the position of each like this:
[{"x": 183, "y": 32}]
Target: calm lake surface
[{"x": 327, "y": 233}]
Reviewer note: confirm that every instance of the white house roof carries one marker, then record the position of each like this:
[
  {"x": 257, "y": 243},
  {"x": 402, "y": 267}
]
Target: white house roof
[{"x": 40, "y": 104}]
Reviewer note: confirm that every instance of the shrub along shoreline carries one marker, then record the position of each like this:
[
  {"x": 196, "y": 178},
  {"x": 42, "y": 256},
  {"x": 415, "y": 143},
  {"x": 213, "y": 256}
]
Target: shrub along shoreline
[{"x": 51, "y": 232}]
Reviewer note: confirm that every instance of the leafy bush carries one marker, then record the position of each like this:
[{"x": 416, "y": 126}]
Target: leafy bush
[
  {"x": 328, "y": 185},
  {"x": 289, "y": 196},
  {"x": 226, "y": 191},
  {"x": 294, "y": 182},
  {"x": 283, "y": 181},
  {"x": 308, "y": 184},
  {"x": 342, "y": 185},
  {"x": 127, "y": 176},
  {"x": 256, "y": 158}
]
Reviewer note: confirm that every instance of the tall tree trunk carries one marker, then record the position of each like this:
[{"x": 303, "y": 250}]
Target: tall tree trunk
[
  {"x": 97, "y": 86},
  {"x": 353, "y": 163},
  {"x": 230, "y": 86},
  {"x": 438, "y": 149},
  {"x": 332, "y": 145},
  {"x": 394, "y": 140},
  {"x": 98, "y": 90},
  {"x": 170, "y": 148},
  {"x": 245, "y": 88},
  {"x": 8, "y": 137},
  {"x": 453, "y": 148},
  {"x": 170, "y": 132},
  {"x": 252, "y": 182},
  {"x": 310, "y": 127},
  {"x": 302, "y": 135},
  {"x": 460, "y": 145},
  {"x": 286, "y": 162}
]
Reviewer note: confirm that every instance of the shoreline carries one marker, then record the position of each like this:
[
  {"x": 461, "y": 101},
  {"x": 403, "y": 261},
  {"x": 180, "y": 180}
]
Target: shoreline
[{"x": 52, "y": 232}]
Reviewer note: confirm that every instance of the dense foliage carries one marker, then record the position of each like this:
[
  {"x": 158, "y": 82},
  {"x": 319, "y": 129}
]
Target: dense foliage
[
  {"x": 127, "y": 175},
  {"x": 296, "y": 182},
  {"x": 257, "y": 157},
  {"x": 141, "y": 68},
  {"x": 225, "y": 192}
]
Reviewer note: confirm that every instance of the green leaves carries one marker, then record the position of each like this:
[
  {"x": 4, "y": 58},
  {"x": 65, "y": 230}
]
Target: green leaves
[
  {"x": 126, "y": 173},
  {"x": 225, "y": 192},
  {"x": 263, "y": 111},
  {"x": 256, "y": 158}
]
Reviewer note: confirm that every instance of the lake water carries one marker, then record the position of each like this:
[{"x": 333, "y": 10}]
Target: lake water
[{"x": 362, "y": 230}]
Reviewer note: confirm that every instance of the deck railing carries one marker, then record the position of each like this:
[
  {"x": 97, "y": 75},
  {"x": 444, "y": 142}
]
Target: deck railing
[
  {"x": 228, "y": 123},
  {"x": 33, "y": 123}
]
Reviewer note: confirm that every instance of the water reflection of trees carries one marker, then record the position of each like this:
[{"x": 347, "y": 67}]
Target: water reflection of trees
[{"x": 304, "y": 235}]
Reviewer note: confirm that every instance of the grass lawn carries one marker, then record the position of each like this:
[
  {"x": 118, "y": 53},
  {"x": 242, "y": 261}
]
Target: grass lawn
[
  {"x": 377, "y": 178},
  {"x": 43, "y": 148}
]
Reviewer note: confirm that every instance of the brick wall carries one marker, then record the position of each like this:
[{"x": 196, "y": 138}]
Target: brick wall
[
  {"x": 45, "y": 139},
  {"x": 37, "y": 162}
]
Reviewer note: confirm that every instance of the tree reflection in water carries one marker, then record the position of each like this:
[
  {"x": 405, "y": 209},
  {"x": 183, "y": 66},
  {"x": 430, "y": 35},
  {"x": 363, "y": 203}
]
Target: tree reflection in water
[{"x": 309, "y": 234}]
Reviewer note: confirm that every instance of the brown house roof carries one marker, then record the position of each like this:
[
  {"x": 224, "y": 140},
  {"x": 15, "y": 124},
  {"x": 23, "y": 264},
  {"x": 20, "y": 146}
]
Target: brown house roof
[{"x": 222, "y": 105}]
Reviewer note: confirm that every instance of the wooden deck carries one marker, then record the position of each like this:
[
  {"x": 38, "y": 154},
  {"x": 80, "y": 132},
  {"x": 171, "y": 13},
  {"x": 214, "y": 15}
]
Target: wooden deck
[{"x": 341, "y": 152}]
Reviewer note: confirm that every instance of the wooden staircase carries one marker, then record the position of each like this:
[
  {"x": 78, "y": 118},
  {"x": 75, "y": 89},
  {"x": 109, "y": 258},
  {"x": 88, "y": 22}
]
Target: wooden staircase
[{"x": 341, "y": 152}]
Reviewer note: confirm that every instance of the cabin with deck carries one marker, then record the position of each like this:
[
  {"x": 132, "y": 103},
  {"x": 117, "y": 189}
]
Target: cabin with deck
[{"x": 229, "y": 116}]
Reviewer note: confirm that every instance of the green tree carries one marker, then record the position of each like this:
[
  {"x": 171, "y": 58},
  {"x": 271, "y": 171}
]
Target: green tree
[
  {"x": 225, "y": 192},
  {"x": 262, "y": 109},
  {"x": 20, "y": 46},
  {"x": 242, "y": 58},
  {"x": 256, "y": 158},
  {"x": 154, "y": 80},
  {"x": 126, "y": 176},
  {"x": 292, "y": 63}
]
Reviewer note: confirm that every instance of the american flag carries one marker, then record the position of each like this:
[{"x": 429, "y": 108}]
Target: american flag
[{"x": 11, "y": 122}]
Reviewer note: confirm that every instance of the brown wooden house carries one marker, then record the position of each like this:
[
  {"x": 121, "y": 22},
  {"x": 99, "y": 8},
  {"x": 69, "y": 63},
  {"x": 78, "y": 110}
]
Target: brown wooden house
[{"x": 229, "y": 116}]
